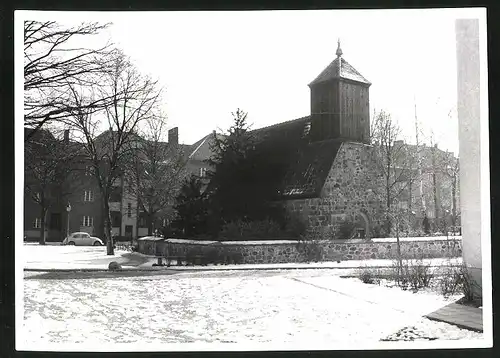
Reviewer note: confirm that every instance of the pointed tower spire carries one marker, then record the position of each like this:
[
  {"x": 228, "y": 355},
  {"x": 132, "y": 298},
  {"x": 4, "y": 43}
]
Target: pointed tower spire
[
  {"x": 339, "y": 50},
  {"x": 339, "y": 59}
]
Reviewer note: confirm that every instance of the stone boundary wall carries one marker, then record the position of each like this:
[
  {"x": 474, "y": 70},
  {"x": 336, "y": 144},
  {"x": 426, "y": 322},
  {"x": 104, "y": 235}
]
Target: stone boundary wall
[{"x": 268, "y": 252}]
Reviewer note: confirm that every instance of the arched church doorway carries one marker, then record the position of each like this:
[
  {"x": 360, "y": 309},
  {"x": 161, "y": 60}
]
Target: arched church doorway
[{"x": 362, "y": 225}]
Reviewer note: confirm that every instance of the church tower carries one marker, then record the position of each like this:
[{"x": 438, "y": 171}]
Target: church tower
[{"x": 340, "y": 103}]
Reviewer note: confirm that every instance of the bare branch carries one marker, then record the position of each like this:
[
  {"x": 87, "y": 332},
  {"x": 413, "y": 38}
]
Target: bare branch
[{"x": 51, "y": 63}]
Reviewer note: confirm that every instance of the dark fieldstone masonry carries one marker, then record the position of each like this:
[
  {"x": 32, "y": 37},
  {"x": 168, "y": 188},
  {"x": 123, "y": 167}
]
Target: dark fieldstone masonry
[
  {"x": 349, "y": 192},
  {"x": 288, "y": 251}
]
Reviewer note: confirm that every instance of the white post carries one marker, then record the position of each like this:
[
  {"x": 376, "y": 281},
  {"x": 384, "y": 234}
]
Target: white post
[{"x": 468, "y": 108}]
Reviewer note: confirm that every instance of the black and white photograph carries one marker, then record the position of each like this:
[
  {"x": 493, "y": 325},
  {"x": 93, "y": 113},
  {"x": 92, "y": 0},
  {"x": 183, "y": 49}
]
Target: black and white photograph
[{"x": 280, "y": 180}]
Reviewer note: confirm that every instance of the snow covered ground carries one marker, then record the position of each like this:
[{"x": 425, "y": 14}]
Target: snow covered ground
[
  {"x": 280, "y": 307},
  {"x": 68, "y": 257}
]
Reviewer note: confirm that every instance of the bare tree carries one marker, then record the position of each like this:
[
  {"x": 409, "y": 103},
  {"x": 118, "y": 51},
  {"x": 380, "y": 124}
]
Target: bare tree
[
  {"x": 133, "y": 99},
  {"x": 394, "y": 162},
  {"x": 49, "y": 163},
  {"x": 155, "y": 175},
  {"x": 452, "y": 171},
  {"x": 54, "y": 60}
]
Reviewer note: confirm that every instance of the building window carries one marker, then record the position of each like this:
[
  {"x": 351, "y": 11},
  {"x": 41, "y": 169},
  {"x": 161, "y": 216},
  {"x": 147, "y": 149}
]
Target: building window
[
  {"x": 37, "y": 224},
  {"x": 116, "y": 218},
  {"x": 142, "y": 221},
  {"x": 88, "y": 195},
  {"x": 87, "y": 221},
  {"x": 203, "y": 172},
  {"x": 129, "y": 210}
]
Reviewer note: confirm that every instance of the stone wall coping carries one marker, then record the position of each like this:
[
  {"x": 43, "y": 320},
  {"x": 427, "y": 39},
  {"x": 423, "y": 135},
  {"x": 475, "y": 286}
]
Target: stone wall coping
[
  {"x": 260, "y": 242},
  {"x": 424, "y": 238},
  {"x": 288, "y": 242},
  {"x": 231, "y": 242},
  {"x": 193, "y": 242}
]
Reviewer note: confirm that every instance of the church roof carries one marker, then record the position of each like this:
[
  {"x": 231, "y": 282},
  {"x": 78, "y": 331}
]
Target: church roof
[
  {"x": 346, "y": 71},
  {"x": 300, "y": 167},
  {"x": 340, "y": 69}
]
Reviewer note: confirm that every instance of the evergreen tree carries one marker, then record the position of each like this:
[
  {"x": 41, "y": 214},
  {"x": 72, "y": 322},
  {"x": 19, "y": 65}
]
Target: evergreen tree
[
  {"x": 191, "y": 208},
  {"x": 240, "y": 187}
]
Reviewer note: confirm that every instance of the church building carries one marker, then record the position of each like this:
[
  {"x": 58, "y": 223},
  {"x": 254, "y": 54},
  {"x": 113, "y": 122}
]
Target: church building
[{"x": 327, "y": 175}]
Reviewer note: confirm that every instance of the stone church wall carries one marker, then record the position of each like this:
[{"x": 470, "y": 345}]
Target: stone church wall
[{"x": 351, "y": 193}]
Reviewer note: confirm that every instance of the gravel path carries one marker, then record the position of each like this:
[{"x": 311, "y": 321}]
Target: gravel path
[{"x": 278, "y": 307}]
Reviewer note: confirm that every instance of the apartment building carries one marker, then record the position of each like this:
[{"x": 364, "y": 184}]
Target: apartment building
[{"x": 81, "y": 195}]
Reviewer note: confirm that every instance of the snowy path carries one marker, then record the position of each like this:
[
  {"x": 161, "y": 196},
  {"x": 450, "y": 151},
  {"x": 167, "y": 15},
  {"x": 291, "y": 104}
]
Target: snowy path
[{"x": 276, "y": 307}]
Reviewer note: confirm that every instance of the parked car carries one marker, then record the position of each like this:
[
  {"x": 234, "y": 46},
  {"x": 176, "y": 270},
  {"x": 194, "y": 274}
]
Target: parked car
[{"x": 82, "y": 239}]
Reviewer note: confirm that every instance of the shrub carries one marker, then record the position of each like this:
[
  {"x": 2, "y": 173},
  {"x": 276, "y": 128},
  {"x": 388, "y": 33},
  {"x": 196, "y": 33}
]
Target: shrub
[
  {"x": 114, "y": 266},
  {"x": 124, "y": 247},
  {"x": 414, "y": 274},
  {"x": 369, "y": 276},
  {"x": 450, "y": 281},
  {"x": 457, "y": 279}
]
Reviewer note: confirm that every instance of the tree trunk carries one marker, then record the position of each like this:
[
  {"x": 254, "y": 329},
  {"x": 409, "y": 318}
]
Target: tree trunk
[
  {"x": 410, "y": 206},
  {"x": 149, "y": 223},
  {"x": 436, "y": 204},
  {"x": 454, "y": 201},
  {"x": 398, "y": 247},
  {"x": 107, "y": 227},
  {"x": 43, "y": 213},
  {"x": 388, "y": 224}
]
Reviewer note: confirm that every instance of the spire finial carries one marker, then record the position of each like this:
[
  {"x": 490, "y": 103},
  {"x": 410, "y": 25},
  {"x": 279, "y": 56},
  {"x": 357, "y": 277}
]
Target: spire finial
[{"x": 339, "y": 50}]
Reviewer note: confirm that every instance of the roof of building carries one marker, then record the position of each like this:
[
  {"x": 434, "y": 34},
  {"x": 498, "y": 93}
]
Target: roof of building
[
  {"x": 340, "y": 69},
  {"x": 201, "y": 150},
  {"x": 300, "y": 167},
  {"x": 40, "y": 134}
]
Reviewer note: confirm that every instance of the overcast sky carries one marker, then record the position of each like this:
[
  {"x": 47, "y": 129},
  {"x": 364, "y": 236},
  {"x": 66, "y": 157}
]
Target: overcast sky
[{"x": 210, "y": 63}]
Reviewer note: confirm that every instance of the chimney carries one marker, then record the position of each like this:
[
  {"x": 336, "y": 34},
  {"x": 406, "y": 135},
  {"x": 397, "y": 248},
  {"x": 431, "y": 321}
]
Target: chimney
[
  {"x": 173, "y": 136},
  {"x": 66, "y": 136}
]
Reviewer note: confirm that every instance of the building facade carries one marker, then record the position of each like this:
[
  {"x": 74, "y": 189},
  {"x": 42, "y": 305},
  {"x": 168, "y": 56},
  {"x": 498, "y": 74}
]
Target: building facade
[{"x": 81, "y": 195}]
